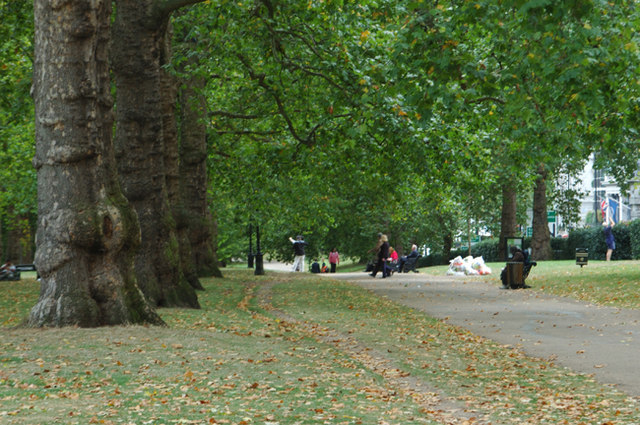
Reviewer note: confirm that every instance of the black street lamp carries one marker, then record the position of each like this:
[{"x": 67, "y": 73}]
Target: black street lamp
[
  {"x": 250, "y": 260},
  {"x": 259, "y": 265}
]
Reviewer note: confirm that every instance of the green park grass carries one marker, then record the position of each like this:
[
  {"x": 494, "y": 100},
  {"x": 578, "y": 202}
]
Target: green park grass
[
  {"x": 613, "y": 284},
  {"x": 325, "y": 352}
]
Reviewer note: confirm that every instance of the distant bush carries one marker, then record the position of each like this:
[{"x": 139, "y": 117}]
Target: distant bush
[
  {"x": 627, "y": 237},
  {"x": 634, "y": 238},
  {"x": 592, "y": 238}
]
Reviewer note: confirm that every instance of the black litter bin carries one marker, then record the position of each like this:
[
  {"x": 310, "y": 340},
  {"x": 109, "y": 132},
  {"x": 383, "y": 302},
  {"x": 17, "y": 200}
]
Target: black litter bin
[
  {"x": 582, "y": 257},
  {"x": 514, "y": 274}
]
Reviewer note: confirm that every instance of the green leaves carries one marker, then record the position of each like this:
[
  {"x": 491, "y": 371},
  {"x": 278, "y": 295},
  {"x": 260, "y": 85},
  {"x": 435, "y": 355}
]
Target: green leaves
[{"x": 18, "y": 190}]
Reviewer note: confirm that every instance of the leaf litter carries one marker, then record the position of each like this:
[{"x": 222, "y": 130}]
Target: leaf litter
[{"x": 312, "y": 351}]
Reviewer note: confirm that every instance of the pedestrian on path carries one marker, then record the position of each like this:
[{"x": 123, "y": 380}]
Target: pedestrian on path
[
  {"x": 383, "y": 254},
  {"x": 334, "y": 259},
  {"x": 298, "y": 250}
]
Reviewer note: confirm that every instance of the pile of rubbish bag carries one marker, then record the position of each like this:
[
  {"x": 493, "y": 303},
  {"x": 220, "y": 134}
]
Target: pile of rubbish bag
[{"x": 468, "y": 266}]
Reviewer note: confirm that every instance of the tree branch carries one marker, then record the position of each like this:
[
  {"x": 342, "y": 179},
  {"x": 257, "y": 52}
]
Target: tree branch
[
  {"x": 247, "y": 132},
  {"x": 260, "y": 79},
  {"x": 165, "y": 7},
  {"x": 233, "y": 115}
]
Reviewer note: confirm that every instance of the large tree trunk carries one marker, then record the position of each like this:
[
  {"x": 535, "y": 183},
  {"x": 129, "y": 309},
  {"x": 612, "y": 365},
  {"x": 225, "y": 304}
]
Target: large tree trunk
[
  {"x": 193, "y": 173},
  {"x": 541, "y": 241},
  {"x": 138, "y": 37},
  {"x": 508, "y": 222},
  {"x": 169, "y": 89},
  {"x": 86, "y": 229}
]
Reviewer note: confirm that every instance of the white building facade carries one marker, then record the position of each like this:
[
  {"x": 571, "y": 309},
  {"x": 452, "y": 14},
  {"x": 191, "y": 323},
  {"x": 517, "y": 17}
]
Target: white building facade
[{"x": 600, "y": 188}]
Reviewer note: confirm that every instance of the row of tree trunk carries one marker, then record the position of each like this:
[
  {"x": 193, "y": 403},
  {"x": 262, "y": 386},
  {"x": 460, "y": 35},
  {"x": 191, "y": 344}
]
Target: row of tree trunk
[{"x": 115, "y": 213}]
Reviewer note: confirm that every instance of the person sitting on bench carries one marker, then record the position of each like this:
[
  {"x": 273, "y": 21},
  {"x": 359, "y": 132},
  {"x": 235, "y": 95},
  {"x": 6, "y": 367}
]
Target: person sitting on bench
[
  {"x": 414, "y": 254},
  {"x": 517, "y": 256},
  {"x": 7, "y": 270}
]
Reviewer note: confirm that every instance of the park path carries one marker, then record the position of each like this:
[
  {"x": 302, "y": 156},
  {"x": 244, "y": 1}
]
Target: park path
[{"x": 594, "y": 340}]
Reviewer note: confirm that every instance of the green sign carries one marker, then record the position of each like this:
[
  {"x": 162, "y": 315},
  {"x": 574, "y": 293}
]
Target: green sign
[
  {"x": 551, "y": 216},
  {"x": 529, "y": 232}
]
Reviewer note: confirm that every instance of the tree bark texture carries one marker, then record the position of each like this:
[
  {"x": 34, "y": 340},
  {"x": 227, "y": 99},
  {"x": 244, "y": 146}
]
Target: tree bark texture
[
  {"x": 508, "y": 222},
  {"x": 86, "y": 229},
  {"x": 193, "y": 172},
  {"x": 541, "y": 240},
  {"x": 138, "y": 39},
  {"x": 169, "y": 89}
]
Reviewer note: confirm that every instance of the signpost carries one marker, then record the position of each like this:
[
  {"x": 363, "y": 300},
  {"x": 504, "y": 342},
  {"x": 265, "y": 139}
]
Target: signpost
[{"x": 582, "y": 257}]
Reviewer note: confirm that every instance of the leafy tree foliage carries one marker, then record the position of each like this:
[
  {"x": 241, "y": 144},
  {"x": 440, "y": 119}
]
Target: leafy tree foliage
[
  {"x": 18, "y": 189},
  {"x": 339, "y": 120}
]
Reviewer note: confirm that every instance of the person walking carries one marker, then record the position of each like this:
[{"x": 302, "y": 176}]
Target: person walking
[
  {"x": 383, "y": 254},
  {"x": 298, "y": 250},
  {"x": 334, "y": 259}
]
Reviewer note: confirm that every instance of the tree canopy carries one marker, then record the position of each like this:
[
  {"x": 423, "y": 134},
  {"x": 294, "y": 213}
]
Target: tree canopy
[{"x": 339, "y": 120}]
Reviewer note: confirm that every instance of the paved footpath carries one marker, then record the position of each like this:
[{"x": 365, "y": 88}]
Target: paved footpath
[{"x": 585, "y": 338}]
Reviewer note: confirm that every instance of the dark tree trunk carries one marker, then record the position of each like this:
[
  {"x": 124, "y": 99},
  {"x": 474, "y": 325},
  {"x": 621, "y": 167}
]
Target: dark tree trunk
[
  {"x": 86, "y": 229},
  {"x": 193, "y": 173},
  {"x": 17, "y": 234},
  {"x": 169, "y": 89},
  {"x": 508, "y": 222},
  {"x": 138, "y": 39},
  {"x": 20, "y": 241},
  {"x": 541, "y": 241},
  {"x": 446, "y": 248}
]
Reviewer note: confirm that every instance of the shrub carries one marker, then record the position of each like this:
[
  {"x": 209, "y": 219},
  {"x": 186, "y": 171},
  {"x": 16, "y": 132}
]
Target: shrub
[
  {"x": 634, "y": 238},
  {"x": 592, "y": 238},
  {"x": 627, "y": 237},
  {"x": 487, "y": 249},
  {"x": 432, "y": 260}
]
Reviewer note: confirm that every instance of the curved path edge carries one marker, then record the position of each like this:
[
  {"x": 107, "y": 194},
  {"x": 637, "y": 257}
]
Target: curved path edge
[{"x": 594, "y": 340}]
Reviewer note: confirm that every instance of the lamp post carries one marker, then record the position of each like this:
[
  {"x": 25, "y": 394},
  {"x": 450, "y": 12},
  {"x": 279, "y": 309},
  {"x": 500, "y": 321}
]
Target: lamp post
[
  {"x": 250, "y": 260},
  {"x": 259, "y": 265}
]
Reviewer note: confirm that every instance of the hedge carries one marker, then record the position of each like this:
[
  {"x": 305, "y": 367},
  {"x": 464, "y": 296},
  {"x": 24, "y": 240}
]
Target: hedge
[{"x": 627, "y": 237}]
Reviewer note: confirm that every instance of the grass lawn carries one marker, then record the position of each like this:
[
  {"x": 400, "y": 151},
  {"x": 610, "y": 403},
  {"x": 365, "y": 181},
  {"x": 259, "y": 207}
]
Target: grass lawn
[
  {"x": 332, "y": 353},
  {"x": 614, "y": 284}
]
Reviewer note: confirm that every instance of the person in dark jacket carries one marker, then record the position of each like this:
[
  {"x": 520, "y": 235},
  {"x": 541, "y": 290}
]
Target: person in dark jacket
[
  {"x": 383, "y": 254},
  {"x": 414, "y": 253},
  {"x": 517, "y": 256},
  {"x": 298, "y": 250}
]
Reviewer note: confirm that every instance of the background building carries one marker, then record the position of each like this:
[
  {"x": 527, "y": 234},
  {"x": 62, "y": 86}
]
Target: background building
[{"x": 602, "y": 193}]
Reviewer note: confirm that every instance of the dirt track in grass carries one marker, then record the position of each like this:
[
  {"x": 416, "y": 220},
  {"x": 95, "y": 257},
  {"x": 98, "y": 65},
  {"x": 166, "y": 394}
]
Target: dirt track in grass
[{"x": 445, "y": 409}]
